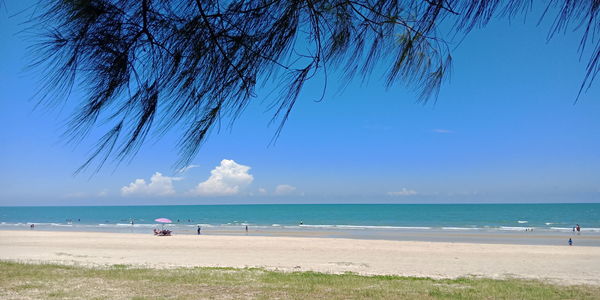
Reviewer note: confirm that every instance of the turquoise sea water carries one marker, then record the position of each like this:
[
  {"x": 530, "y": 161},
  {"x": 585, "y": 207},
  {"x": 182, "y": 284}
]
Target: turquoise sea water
[{"x": 502, "y": 217}]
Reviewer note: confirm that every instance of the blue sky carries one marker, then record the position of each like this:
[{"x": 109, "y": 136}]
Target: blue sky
[{"x": 504, "y": 129}]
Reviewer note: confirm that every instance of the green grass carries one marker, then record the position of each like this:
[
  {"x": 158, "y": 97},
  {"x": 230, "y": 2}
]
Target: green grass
[{"x": 48, "y": 281}]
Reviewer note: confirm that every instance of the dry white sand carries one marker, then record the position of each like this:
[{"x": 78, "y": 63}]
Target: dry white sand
[{"x": 561, "y": 264}]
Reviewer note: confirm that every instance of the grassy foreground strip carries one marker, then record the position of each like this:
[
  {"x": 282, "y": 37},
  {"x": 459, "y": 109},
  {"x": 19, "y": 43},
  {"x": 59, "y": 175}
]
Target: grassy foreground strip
[{"x": 49, "y": 281}]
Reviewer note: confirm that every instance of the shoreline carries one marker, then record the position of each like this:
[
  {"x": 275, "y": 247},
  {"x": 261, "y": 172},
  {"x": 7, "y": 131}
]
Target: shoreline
[
  {"x": 473, "y": 236},
  {"x": 558, "y": 264}
]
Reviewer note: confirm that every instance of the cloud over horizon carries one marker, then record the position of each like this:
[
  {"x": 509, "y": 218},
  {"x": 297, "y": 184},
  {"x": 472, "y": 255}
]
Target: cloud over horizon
[
  {"x": 226, "y": 179},
  {"x": 403, "y": 192},
  {"x": 284, "y": 189},
  {"x": 159, "y": 185}
]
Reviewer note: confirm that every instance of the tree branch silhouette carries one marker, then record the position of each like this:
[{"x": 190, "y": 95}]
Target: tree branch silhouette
[{"x": 155, "y": 65}]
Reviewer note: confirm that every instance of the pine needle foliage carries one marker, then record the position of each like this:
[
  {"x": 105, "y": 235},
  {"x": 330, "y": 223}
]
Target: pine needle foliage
[{"x": 156, "y": 65}]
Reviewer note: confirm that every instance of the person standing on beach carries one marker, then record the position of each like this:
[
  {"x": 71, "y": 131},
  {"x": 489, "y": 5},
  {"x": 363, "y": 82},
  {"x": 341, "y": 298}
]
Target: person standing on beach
[
  {"x": 578, "y": 229},
  {"x": 570, "y": 242},
  {"x": 246, "y": 228},
  {"x": 199, "y": 229}
]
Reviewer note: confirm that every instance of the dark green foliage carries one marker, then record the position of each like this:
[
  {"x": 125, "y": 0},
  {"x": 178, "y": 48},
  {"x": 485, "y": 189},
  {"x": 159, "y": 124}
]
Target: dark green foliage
[{"x": 158, "y": 64}]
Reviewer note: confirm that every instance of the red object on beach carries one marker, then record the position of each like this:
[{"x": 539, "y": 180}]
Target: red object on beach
[{"x": 163, "y": 220}]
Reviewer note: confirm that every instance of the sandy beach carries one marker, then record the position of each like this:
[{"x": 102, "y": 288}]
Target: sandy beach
[{"x": 558, "y": 264}]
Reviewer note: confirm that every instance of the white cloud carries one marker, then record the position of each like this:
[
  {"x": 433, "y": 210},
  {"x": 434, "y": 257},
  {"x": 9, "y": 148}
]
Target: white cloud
[
  {"x": 442, "y": 131},
  {"x": 403, "y": 192},
  {"x": 103, "y": 193},
  {"x": 284, "y": 189},
  {"x": 159, "y": 185},
  {"x": 226, "y": 179},
  {"x": 185, "y": 169},
  {"x": 262, "y": 191}
]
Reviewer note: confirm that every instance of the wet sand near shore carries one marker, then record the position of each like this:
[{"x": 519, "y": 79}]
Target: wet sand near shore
[
  {"x": 561, "y": 264},
  {"x": 485, "y": 236},
  {"x": 520, "y": 238}
]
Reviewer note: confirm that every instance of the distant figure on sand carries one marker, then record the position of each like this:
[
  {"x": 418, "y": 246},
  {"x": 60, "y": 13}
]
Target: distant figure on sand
[
  {"x": 199, "y": 229},
  {"x": 246, "y": 228},
  {"x": 578, "y": 229},
  {"x": 31, "y": 226},
  {"x": 570, "y": 242}
]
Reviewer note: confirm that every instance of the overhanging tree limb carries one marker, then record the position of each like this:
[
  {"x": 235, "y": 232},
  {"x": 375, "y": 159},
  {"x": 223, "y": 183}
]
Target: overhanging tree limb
[{"x": 156, "y": 65}]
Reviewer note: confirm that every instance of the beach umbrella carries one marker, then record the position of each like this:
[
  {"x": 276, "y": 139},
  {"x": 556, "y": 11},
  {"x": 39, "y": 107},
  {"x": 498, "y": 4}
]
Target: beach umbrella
[{"x": 163, "y": 221}]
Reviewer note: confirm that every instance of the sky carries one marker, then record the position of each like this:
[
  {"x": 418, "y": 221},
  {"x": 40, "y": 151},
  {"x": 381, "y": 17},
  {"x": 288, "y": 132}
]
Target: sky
[{"x": 504, "y": 128}]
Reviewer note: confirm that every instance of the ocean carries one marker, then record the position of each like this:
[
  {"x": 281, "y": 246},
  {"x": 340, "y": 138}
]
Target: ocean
[{"x": 453, "y": 217}]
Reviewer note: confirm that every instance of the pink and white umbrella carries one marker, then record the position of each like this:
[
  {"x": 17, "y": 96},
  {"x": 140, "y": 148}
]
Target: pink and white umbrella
[{"x": 163, "y": 221}]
